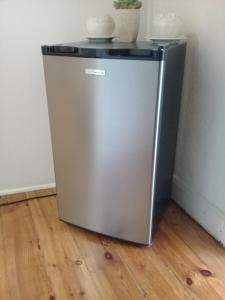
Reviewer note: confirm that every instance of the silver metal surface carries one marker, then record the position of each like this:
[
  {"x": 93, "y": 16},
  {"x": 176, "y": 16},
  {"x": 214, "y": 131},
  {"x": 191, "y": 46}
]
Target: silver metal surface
[
  {"x": 156, "y": 144},
  {"x": 170, "y": 97},
  {"x": 103, "y": 130}
]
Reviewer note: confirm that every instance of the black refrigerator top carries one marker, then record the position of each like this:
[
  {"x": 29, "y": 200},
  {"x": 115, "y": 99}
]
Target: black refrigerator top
[{"x": 115, "y": 50}]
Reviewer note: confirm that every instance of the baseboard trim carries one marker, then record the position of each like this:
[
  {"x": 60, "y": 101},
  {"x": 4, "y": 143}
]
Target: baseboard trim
[
  {"x": 23, "y": 194},
  {"x": 200, "y": 209}
]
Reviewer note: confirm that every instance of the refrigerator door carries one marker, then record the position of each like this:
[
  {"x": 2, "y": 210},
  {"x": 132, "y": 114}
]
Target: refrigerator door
[{"x": 102, "y": 117}]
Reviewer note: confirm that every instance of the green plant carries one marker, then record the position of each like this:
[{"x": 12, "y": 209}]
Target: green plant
[{"x": 127, "y": 4}]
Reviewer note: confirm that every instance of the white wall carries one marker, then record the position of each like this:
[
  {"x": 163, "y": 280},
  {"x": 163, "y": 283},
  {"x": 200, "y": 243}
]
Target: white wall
[
  {"x": 199, "y": 182},
  {"x": 25, "y": 149}
]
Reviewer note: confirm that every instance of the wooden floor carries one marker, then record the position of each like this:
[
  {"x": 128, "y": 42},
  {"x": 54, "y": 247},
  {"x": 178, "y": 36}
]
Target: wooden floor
[
  {"x": 43, "y": 258},
  {"x": 13, "y": 198}
]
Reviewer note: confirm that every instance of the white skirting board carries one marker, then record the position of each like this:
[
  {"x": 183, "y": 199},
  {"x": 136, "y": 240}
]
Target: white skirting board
[
  {"x": 27, "y": 189},
  {"x": 200, "y": 209}
]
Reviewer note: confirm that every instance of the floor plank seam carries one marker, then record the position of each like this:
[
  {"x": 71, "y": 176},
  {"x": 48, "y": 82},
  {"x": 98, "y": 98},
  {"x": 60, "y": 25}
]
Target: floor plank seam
[{"x": 28, "y": 199}]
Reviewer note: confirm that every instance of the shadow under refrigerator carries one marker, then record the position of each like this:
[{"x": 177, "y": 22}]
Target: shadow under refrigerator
[{"x": 114, "y": 111}]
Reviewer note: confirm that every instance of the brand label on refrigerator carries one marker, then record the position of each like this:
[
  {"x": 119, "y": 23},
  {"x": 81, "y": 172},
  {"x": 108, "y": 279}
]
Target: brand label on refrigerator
[{"x": 95, "y": 72}]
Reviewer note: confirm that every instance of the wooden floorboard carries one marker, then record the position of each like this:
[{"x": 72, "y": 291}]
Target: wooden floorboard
[
  {"x": 43, "y": 258},
  {"x": 14, "y": 198}
]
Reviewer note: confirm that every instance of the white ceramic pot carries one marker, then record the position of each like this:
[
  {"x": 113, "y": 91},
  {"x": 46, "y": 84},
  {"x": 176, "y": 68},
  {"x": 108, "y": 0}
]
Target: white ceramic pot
[
  {"x": 167, "y": 26},
  {"x": 100, "y": 26},
  {"x": 127, "y": 24}
]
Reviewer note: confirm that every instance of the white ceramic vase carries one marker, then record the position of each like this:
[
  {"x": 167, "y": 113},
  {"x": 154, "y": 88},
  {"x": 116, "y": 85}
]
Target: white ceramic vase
[
  {"x": 127, "y": 24},
  {"x": 168, "y": 26},
  {"x": 100, "y": 26}
]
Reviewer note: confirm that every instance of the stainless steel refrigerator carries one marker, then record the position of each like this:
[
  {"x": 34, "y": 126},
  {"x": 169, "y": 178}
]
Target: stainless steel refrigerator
[{"x": 114, "y": 112}]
